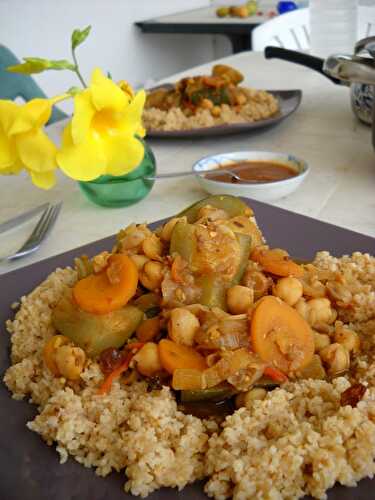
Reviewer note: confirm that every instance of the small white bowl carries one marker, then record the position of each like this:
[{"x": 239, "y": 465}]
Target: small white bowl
[{"x": 267, "y": 191}]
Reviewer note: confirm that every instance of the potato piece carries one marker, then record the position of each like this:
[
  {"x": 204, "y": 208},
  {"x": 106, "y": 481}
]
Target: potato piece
[{"x": 279, "y": 335}]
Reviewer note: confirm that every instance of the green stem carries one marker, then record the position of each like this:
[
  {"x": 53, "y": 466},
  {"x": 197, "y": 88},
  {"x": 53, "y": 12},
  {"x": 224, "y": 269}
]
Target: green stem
[{"x": 78, "y": 73}]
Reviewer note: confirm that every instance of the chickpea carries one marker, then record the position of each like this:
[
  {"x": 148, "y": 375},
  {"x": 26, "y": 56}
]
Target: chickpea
[
  {"x": 257, "y": 281},
  {"x": 70, "y": 361},
  {"x": 207, "y": 104},
  {"x": 147, "y": 360},
  {"x": 302, "y": 308},
  {"x": 336, "y": 358},
  {"x": 320, "y": 311},
  {"x": 182, "y": 326},
  {"x": 348, "y": 338},
  {"x": 139, "y": 261},
  {"x": 321, "y": 341},
  {"x": 316, "y": 311},
  {"x": 166, "y": 232},
  {"x": 49, "y": 352},
  {"x": 289, "y": 290},
  {"x": 133, "y": 237},
  {"x": 239, "y": 299},
  {"x": 216, "y": 111},
  {"x": 246, "y": 398},
  {"x": 152, "y": 275},
  {"x": 152, "y": 247}
]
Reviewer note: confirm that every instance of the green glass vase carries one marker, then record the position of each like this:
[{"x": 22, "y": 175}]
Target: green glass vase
[{"x": 124, "y": 190}]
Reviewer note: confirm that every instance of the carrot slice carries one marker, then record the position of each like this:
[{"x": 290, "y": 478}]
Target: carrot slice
[
  {"x": 280, "y": 335},
  {"x": 276, "y": 261},
  {"x": 173, "y": 356},
  {"x": 275, "y": 374},
  {"x": 99, "y": 294}
]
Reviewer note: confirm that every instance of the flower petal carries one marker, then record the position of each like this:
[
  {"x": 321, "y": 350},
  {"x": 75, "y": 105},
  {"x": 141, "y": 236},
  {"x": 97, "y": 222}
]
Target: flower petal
[
  {"x": 131, "y": 121},
  {"x": 8, "y": 113},
  {"x": 124, "y": 153},
  {"x": 44, "y": 180},
  {"x": 36, "y": 151},
  {"x": 9, "y": 161},
  {"x": 33, "y": 114},
  {"x": 84, "y": 112},
  {"x": 106, "y": 94},
  {"x": 83, "y": 162}
]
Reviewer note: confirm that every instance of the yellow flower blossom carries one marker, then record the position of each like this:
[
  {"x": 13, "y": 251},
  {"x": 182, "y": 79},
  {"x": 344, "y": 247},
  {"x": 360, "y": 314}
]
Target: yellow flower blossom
[
  {"x": 101, "y": 137},
  {"x": 23, "y": 143}
]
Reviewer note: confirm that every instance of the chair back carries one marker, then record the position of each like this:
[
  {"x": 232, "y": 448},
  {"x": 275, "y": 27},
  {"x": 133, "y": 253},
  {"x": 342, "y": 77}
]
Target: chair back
[
  {"x": 289, "y": 31},
  {"x": 13, "y": 85},
  {"x": 366, "y": 21}
]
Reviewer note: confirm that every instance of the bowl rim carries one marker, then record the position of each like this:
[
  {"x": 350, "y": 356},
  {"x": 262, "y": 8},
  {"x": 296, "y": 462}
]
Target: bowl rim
[{"x": 290, "y": 157}]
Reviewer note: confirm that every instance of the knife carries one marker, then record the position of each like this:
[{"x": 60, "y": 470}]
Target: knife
[{"x": 19, "y": 219}]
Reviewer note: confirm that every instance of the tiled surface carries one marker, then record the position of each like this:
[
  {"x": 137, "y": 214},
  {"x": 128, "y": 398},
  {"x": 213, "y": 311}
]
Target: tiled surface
[{"x": 340, "y": 188}]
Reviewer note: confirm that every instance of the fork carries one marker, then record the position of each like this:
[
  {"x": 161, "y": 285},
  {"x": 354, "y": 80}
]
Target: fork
[{"x": 39, "y": 233}]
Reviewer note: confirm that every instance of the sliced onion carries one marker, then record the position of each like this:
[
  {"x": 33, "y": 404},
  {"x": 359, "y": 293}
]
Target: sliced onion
[{"x": 188, "y": 379}]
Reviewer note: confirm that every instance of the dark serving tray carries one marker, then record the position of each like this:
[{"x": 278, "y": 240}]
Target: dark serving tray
[
  {"x": 289, "y": 101},
  {"x": 30, "y": 470}
]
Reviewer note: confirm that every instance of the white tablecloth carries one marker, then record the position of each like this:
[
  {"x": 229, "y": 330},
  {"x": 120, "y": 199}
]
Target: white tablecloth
[{"x": 340, "y": 188}]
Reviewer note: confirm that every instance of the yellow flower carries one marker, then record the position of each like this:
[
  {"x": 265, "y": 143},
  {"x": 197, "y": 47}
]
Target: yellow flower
[
  {"x": 101, "y": 137},
  {"x": 23, "y": 143}
]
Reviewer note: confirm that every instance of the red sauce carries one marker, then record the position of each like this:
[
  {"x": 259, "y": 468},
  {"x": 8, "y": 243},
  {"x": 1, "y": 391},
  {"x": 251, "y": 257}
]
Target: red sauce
[{"x": 254, "y": 172}]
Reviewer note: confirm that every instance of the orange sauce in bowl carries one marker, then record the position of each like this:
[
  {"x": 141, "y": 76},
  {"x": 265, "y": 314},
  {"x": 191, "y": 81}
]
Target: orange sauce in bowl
[{"x": 254, "y": 172}]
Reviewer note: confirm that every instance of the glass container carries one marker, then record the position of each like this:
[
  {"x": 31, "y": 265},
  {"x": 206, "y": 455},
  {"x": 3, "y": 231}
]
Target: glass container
[{"x": 125, "y": 190}]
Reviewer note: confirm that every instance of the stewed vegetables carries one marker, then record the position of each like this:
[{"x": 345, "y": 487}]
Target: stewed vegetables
[
  {"x": 110, "y": 289},
  {"x": 204, "y": 306},
  {"x": 95, "y": 332},
  {"x": 280, "y": 335}
]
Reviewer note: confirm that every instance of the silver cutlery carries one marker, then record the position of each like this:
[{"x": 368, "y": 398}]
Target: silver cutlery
[
  {"x": 217, "y": 171},
  {"x": 39, "y": 233},
  {"x": 19, "y": 219}
]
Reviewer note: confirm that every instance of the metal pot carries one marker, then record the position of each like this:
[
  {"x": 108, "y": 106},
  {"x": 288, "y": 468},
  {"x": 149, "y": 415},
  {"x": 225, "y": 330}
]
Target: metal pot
[{"x": 357, "y": 71}]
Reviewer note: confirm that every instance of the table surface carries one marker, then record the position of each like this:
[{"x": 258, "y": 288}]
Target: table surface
[
  {"x": 207, "y": 15},
  {"x": 340, "y": 188}
]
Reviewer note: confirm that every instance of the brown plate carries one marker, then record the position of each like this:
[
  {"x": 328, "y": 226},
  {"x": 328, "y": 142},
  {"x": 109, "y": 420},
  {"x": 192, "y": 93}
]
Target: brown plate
[
  {"x": 30, "y": 469},
  {"x": 289, "y": 100}
]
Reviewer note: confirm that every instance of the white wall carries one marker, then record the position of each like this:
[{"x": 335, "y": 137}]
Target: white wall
[{"x": 42, "y": 28}]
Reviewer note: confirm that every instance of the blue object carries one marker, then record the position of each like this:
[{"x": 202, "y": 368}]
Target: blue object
[
  {"x": 283, "y": 7},
  {"x": 13, "y": 85}
]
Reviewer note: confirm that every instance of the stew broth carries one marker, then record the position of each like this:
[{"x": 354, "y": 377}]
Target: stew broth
[{"x": 254, "y": 172}]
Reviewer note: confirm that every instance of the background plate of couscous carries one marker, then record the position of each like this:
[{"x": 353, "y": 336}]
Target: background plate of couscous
[{"x": 162, "y": 124}]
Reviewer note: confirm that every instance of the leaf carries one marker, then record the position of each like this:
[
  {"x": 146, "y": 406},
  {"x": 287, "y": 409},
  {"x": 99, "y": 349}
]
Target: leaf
[
  {"x": 61, "y": 64},
  {"x": 79, "y": 36},
  {"x": 34, "y": 65},
  {"x": 30, "y": 66},
  {"x": 74, "y": 91}
]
